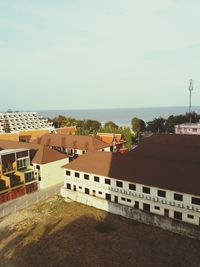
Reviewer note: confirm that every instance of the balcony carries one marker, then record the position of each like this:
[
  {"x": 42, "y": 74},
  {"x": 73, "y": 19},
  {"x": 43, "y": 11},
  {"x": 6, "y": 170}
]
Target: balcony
[{"x": 15, "y": 182}]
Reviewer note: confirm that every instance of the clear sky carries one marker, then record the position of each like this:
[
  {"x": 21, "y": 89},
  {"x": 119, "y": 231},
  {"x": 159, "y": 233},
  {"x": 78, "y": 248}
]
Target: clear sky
[{"x": 98, "y": 53}]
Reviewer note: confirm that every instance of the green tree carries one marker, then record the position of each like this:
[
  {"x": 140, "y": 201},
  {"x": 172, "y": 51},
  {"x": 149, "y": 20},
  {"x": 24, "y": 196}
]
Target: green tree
[
  {"x": 111, "y": 124},
  {"x": 138, "y": 125},
  {"x": 156, "y": 125},
  {"x": 128, "y": 137}
]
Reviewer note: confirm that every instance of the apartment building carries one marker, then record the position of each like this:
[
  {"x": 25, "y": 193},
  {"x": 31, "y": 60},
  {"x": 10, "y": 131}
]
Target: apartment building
[
  {"x": 20, "y": 121},
  {"x": 160, "y": 176},
  {"x": 46, "y": 163},
  {"x": 16, "y": 176},
  {"x": 72, "y": 145}
]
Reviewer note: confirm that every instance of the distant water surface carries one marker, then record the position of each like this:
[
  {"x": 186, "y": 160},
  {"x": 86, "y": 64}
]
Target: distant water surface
[{"x": 121, "y": 116}]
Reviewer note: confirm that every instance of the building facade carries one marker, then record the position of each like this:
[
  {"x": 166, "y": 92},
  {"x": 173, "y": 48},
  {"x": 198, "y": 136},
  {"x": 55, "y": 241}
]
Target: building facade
[
  {"x": 188, "y": 128},
  {"x": 16, "y": 176},
  {"x": 166, "y": 188},
  {"x": 20, "y": 121}
]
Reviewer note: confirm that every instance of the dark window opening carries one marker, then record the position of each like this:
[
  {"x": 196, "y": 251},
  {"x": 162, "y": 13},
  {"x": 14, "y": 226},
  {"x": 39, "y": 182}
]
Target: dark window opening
[
  {"x": 96, "y": 178},
  {"x": 80, "y": 187},
  {"x": 123, "y": 198},
  {"x": 128, "y": 200},
  {"x": 146, "y": 190},
  {"x": 68, "y": 173},
  {"x": 132, "y": 187},
  {"x": 76, "y": 174},
  {"x": 157, "y": 208},
  {"x": 178, "y": 197},
  {"x": 190, "y": 216},
  {"x": 195, "y": 200},
  {"x": 116, "y": 199},
  {"x": 86, "y": 176},
  {"x": 161, "y": 193},
  {"x": 68, "y": 186},
  {"x": 87, "y": 191},
  {"x": 119, "y": 184},
  {"x": 107, "y": 181},
  {"x": 178, "y": 215},
  {"x": 146, "y": 207},
  {"x": 108, "y": 196},
  {"x": 100, "y": 193},
  {"x": 136, "y": 206}
]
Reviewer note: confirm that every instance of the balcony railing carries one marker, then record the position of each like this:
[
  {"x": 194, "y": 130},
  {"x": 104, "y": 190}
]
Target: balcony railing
[{"x": 14, "y": 183}]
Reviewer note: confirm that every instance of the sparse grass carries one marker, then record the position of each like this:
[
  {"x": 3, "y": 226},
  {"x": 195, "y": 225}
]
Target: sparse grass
[
  {"x": 105, "y": 226},
  {"x": 56, "y": 233}
]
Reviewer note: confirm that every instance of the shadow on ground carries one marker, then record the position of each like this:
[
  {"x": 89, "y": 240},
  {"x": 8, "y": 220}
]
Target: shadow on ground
[{"x": 112, "y": 241}]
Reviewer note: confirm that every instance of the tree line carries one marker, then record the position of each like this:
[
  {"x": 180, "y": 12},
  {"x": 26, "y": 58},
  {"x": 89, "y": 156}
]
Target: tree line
[
  {"x": 131, "y": 135},
  {"x": 161, "y": 125}
]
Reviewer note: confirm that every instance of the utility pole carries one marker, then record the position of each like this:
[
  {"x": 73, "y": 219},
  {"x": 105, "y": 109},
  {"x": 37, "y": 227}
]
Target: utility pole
[{"x": 190, "y": 98}]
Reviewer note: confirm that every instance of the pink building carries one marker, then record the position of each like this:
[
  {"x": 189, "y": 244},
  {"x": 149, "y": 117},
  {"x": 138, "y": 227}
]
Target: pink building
[{"x": 188, "y": 128}]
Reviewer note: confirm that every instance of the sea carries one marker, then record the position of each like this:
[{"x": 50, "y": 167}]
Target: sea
[{"x": 120, "y": 116}]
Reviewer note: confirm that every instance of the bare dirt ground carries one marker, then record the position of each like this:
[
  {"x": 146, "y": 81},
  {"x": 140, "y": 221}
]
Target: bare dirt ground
[{"x": 57, "y": 233}]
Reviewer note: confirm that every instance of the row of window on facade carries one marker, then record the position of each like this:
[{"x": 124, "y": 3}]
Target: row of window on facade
[
  {"x": 146, "y": 207},
  {"x": 146, "y": 190}
]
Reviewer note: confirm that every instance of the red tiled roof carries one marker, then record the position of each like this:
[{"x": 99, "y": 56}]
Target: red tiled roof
[
  {"x": 161, "y": 161},
  {"x": 72, "y": 141},
  {"x": 39, "y": 153}
]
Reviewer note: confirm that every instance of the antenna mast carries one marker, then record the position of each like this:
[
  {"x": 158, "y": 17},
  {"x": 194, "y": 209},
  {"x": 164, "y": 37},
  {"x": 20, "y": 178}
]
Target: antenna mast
[{"x": 190, "y": 98}]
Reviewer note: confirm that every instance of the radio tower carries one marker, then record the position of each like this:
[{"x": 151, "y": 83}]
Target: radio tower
[{"x": 190, "y": 98}]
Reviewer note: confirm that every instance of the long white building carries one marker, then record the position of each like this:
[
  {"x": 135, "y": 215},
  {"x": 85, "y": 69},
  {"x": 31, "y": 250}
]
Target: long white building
[
  {"x": 151, "y": 178},
  {"x": 19, "y": 121}
]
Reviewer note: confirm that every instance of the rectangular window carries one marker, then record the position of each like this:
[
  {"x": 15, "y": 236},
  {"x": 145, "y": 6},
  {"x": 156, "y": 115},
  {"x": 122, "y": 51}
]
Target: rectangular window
[
  {"x": 157, "y": 208},
  {"x": 178, "y": 215},
  {"x": 38, "y": 167},
  {"x": 195, "y": 200},
  {"x": 76, "y": 174},
  {"x": 136, "y": 206},
  {"x": 123, "y": 198},
  {"x": 128, "y": 200},
  {"x": 68, "y": 173},
  {"x": 146, "y": 207},
  {"x": 96, "y": 178},
  {"x": 132, "y": 187},
  {"x": 119, "y": 184},
  {"x": 107, "y": 181},
  {"x": 86, "y": 176},
  {"x": 68, "y": 186},
  {"x": 108, "y": 196},
  {"x": 87, "y": 191},
  {"x": 100, "y": 193},
  {"x": 161, "y": 193},
  {"x": 80, "y": 187},
  {"x": 190, "y": 216},
  {"x": 146, "y": 190},
  {"x": 178, "y": 197}
]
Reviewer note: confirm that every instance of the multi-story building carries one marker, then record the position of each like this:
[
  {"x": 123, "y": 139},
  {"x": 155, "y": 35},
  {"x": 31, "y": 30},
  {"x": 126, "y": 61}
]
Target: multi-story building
[
  {"x": 16, "y": 176},
  {"x": 20, "y": 121},
  {"x": 46, "y": 163},
  {"x": 72, "y": 145},
  {"x": 188, "y": 128},
  {"x": 160, "y": 176}
]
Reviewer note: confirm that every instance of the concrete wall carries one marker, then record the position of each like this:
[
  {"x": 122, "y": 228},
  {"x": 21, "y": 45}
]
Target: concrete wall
[
  {"x": 129, "y": 212},
  {"x": 185, "y": 206}
]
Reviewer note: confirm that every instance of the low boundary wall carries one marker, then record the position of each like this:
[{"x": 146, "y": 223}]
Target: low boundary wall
[{"x": 168, "y": 224}]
